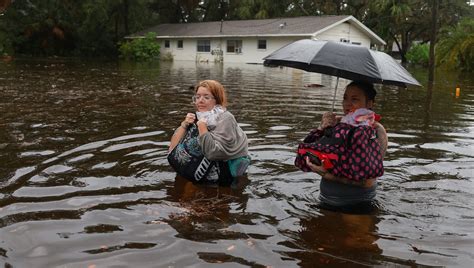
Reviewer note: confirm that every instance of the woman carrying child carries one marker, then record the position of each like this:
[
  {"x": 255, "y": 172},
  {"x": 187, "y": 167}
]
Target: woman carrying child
[{"x": 346, "y": 186}]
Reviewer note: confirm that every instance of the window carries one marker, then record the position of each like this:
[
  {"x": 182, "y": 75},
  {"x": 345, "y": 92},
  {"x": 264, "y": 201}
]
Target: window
[
  {"x": 234, "y": 46},
  {"x": 204, "y": 45},
  {"x": 167, "y": 43},
  {"x": 262, "y": 44},
  {"x": 180, "y": 44}
]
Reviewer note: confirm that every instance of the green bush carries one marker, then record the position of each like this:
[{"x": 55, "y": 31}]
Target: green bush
[
  {"x": 141, "y": 49},
  {"x": 168, "y": 56},
  {"x": 419, "y": 54},
  {"x": 6, "y": 47}
]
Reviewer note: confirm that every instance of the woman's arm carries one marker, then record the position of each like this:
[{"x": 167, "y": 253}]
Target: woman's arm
[
  {"x": 324, "y": 173},
  {"x": 177, "y": 136},
  {"x": 181, "y": 130},
  {"x": 329, "y": 119},
  {"x": 382, "y": 137}
]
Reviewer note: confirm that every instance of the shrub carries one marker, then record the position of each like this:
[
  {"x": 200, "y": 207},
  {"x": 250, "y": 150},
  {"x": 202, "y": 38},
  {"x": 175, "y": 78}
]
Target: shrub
[
  {"x": 167, "y": 57},
  {"x": 419, "y": 54},
  {"x": 141, "y": 48},
  {"x": 6, "y": 47}
]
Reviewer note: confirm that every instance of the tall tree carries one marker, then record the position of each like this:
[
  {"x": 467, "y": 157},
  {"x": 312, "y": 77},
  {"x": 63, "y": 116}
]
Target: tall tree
[
  {"x": 261, "y": 9},
  {"x": 405, "y": 21},
  {"x": 4, "y": 5},
  {"x": 175, "y": 11},
  {"x": 357, "y": 8},
  {"x": 41, "y": 28},
  {"x": 397, "y": 20},
  {"x": 69, "y": 27},
  {"x": 455, "y": 49},
  {"x": 433, "y": 33}
]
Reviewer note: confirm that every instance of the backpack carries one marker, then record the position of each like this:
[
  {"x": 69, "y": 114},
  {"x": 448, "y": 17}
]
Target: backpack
[{"x": 188, "y": 160}]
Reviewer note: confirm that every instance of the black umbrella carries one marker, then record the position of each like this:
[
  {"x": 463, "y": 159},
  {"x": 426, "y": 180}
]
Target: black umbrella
[{"x": 352, "y": 62}]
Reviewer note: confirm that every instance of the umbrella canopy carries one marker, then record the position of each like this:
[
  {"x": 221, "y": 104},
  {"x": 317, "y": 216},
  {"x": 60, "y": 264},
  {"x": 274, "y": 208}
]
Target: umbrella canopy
[{"x": 343, "y": 60}]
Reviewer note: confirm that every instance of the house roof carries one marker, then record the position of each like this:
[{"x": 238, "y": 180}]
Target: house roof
[{"x": 297, "y": 26}]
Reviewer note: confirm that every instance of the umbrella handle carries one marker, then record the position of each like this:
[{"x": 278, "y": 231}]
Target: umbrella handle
[{"x": 335, "y": 91}]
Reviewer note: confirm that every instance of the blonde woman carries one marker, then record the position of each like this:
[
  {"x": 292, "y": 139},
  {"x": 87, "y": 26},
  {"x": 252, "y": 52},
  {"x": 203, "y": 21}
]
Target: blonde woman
[{"x": 209, "y": 146}]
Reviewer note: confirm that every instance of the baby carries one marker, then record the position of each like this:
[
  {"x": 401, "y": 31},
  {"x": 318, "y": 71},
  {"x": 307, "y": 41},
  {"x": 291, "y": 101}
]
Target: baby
[
  {"x": 211, "y": 116},
  {"x": 360, "y": 117}
]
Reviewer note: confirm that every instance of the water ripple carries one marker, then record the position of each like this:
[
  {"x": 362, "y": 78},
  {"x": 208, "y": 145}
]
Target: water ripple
[{"x": 85, "y": 180}]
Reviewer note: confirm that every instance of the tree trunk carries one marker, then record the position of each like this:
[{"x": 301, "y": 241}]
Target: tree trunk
[
  {"x": 396, "y": 42},
  {"x": 301, "y": 7},
  {"x": 405, "y": 47},
  {"x": 431, "y": 63},
  {"x": 125, "y": 16},
  {"x": 116, "y": 29}
]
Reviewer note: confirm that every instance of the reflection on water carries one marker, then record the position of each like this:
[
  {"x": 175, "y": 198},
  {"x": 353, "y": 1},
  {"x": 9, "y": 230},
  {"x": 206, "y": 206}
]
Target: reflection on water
[
  {"x": 337, "y": 239},
  {"x": 84, "y": 178}
]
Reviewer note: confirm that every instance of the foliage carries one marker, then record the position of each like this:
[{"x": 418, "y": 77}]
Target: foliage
[
  {"x": 94, "y": 27},
  {"x": 69, "y": 27},
  {"x": 141, "y": 48},
  {"x": 173, "y": 11},
  {"x": 406, "y": 21},
  {"x": 455, "y": 49},
  {"x": 32, "y": 27},
  {"x": 419, "y": 54},
  {"x": 95, "y": 39},
  {"x": 261, "y": 9},
  {"x": 6, "y": 47},
  {"x": 168, "y": 56}
]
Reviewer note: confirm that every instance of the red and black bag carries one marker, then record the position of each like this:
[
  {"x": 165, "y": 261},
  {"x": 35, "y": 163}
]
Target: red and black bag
[{"x": 346, "y": 151}]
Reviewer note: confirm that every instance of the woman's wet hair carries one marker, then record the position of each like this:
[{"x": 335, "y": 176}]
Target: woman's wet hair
[
  {"x": 217, "y": 90},
  {"x": 368, "y": 89}
]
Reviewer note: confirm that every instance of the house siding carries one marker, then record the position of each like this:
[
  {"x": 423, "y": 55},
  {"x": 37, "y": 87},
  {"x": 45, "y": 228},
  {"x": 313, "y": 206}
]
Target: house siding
[
  {"x": 346, "y": 31},
  {"x": 250, "y": 52}
]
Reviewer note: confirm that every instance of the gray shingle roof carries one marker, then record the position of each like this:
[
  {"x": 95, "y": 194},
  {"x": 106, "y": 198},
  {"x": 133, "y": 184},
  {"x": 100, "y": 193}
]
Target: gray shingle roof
[{"x": 277, "y": 26}]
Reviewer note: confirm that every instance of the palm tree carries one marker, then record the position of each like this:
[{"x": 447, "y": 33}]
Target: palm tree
[{"x": 455, "y": 48}]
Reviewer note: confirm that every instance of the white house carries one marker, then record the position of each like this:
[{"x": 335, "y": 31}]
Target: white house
[{"x": 249, "y": 41}]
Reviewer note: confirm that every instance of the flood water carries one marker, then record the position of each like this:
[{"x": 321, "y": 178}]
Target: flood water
[{"x": 84, "y": 180}]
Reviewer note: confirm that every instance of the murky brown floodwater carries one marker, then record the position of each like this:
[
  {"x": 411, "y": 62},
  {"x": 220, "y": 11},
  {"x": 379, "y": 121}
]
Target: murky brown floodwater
[{"x": 84, "y": 178}]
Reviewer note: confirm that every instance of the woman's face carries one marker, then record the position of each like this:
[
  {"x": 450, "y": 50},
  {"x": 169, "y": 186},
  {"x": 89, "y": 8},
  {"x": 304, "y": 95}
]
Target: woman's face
[
  {"x": 204, "y": 100},
  {"x": 354, "y": 98}
]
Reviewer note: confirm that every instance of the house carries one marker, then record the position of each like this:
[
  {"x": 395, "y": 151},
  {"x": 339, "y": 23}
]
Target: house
[{"x": 249, "y": 41}]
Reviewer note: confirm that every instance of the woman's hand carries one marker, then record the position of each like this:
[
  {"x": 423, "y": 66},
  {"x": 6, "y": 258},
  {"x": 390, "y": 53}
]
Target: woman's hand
[
  {"x": 320, "y": 170},
  {"x": 202, "y": 121},
  {"x": 329, "y": 119},
  {"x": 189, "y": 119},
  {"x": 202, "y": 126}
]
